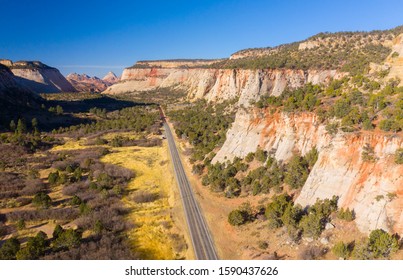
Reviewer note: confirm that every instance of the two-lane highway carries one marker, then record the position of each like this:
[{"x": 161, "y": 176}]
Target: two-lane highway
[{"x": 202, "y": 242}]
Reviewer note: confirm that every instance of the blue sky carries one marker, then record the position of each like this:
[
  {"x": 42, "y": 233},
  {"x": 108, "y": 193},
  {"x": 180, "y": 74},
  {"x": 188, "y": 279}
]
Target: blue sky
[{"x": 95, "y": 37}]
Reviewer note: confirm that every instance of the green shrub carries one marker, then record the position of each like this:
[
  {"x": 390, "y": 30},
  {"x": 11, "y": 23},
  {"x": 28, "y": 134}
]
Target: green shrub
[
  {"x": 9, "y": 249},
  {"x": 311, "y": 157},
  {"x": 382, "y": 244},
  {"x": 68, "y": 238},
  {"x": 57, "y": 231},
  {"x": 75, "y": 200},
  {"x": 297, "y": 172},
  {"x": 341, "y": 250},
  {"x": 42, "y": 200},
  {"x": 241, "y": 215},
  {"x": 34, "y": 248},
  {"x": 399, "y": 156},
  {"x": 20, "y": 224},
  {"x": 312, "y": 225},
  {"x": 368, "y": 153},
  {"x": 237, "y": 217},
  {"x": 276, "y": 209},
  {"x": 346, "y": 214},
  {"x": 260, "y": 155},
  {"x": 53, "y": 178},
  {"x": 249, "y": 157},
  {"x": 332, "y": 128}
]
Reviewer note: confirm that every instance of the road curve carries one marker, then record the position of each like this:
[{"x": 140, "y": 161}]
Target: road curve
[{"x": 199, "y": 233}]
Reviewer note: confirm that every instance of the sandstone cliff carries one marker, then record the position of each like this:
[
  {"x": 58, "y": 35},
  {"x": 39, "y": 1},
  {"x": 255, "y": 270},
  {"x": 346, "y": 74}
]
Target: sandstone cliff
[
  {"x": 220, "y": 84},
  {"x": 375, "y": 193},
  {"x": 362, "y": 186},
  {"x": 38, "y": 77}
]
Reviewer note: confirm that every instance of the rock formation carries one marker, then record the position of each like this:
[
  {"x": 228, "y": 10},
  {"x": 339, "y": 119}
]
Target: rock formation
[
  {"x": 374, "y": 192},
  {"x": 38, "y": 77},
  {"x": 340, "y": 170},
  {"x": 220, "y": 84},
  {"x": 85, "y": 83},
  {"x": 110, "y": 78}
]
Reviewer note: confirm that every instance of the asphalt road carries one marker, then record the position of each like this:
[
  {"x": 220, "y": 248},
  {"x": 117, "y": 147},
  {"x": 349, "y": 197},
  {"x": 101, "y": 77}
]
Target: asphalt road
[{"x": 199, "y": 233}]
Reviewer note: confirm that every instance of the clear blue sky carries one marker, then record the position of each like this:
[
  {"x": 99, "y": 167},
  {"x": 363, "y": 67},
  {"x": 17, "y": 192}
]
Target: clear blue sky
[{"x": 94, "y": 37}]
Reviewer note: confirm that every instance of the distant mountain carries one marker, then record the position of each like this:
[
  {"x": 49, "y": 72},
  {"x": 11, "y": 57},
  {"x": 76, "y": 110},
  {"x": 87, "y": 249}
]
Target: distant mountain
[
  {"x": 37, "y": 77},
  {"x": 110, "y": 78},
  {"x": 85, "y": 83}
]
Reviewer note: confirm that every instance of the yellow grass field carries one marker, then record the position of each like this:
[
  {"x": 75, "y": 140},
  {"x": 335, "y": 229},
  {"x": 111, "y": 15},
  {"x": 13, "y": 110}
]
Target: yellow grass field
[
  {"x": 70, "y": 144},
  {"x": 155, "y": 236}
]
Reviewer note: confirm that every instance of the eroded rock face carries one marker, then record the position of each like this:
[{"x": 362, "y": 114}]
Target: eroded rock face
[
  {"x": 220, "y": 84},
  {"x": 37, "y": 77},
  {"x": 395, "y": 60},
  {"x": 366, "y": 187},
  {"x": 43, "y": 80}
]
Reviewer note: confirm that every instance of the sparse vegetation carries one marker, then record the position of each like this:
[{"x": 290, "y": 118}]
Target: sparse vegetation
[
  {"x": 341, "y": 250},
  {"x": 203, "y": 125},
  {"x": 68, "y": 185},
  {"x": 399, "y": 156}
]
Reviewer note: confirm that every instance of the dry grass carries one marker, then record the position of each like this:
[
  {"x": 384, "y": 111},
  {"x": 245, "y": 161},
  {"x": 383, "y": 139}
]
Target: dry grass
[
  {"x": 70, "y": 144},
  {"x": 155, "y": 235},
  {"x": 151, "y": 236}
]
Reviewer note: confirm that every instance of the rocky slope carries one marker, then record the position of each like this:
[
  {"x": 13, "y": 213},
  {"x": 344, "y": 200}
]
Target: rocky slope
[{"x": 38, "y": 77}]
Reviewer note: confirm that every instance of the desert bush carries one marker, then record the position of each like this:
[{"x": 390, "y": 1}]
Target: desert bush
[
  {"x": 341, "y": 250},
  {"x": 10, "y": 184},
  {"x": 9, "y": 249},
  {"x": 144, "y": 196},
  {"x": 74, "y": 188},
  {"x": 346, "y": 214},
  {"x": 34, "y": 248},
  {"x": 260, "y": 155},
  {"x": 106, "y": 247},
  {"x": 42, "y": 200},
  {"x": 399, "y": 156},
  {"x": 22, "y": 201},
  {"x": 33, "y": 186},
  {"x": 63, "y": 214},
  {"x": 67, "y": 238},
  {"x": 118, "y": 172},
  {"x": 368, "y": 153},
  {"x": 297, "y": 172},
  {"x": 237, "y": 217},
  {"x": 361, "y": 250},
  {"x": 276, "y": 209},
  {"x": 382, "y": 244},
  {"x": 312, "y": 253}
]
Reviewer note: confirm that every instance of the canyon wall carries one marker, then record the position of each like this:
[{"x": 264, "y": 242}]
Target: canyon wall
[
  {"x": 220, "y": 84},
  {"x": 373, "y": 189}
]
